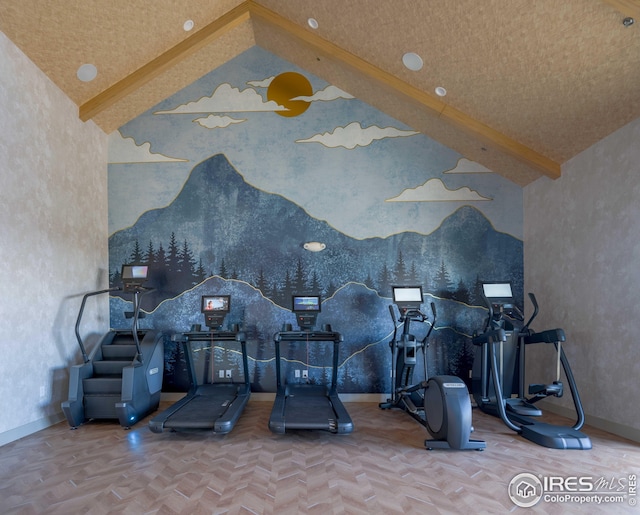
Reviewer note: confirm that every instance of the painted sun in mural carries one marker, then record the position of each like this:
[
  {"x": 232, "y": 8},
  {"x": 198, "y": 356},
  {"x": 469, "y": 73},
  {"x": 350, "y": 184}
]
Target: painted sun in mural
[{"x": 285, "y": 87}]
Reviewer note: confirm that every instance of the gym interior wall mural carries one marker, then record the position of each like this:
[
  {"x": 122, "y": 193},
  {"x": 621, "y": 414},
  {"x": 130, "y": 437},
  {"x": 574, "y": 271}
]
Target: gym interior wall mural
[{"x": 219, "y": 187}]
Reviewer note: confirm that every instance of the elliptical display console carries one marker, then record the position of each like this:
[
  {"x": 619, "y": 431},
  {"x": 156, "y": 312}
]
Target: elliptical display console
[{"x": 439, "y": 403}]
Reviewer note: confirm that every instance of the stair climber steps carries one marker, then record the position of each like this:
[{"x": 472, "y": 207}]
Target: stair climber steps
[
  {"x": 126, "y": 337},
  {"x": 118, "y": 351},
  {"x": 109, "y": 368},
  {"x": 102, "y": 385}
]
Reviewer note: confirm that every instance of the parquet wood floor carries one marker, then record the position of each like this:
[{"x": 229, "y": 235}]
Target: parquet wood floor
[{"x": 381, "y": 468}]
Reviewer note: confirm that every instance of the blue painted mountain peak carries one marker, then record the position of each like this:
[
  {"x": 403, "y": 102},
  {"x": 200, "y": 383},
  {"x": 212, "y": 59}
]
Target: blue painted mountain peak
[{"x": 220, "y": 225}]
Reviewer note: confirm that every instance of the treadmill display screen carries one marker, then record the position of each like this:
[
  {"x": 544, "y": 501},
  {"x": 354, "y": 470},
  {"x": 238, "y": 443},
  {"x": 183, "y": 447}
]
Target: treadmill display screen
[
  {"x": 306, "y": 303},
  {"x": 216, "y": 303}
]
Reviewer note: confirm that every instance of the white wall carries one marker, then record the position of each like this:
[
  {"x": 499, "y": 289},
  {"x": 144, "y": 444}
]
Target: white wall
[
  {"x": 582, "y": 260},
  {"x": 53, "y": 241}
]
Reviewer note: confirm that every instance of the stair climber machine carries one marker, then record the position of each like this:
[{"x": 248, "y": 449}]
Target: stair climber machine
[
  {"x": 122, "y": 377},
  {"x": 498, "y": 375},
  {"x": 211, "y": 404},
  {"x": 303, "y": 405},
  {"x": 439, "y": 403}
]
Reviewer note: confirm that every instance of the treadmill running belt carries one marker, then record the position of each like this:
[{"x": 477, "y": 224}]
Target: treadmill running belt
[
  {"x": 204, "y": 408},
  {"x": 316, "y": 412}
]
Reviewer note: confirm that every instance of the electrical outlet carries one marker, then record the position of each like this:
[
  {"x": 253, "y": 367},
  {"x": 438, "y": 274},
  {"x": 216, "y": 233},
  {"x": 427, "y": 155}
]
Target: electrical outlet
[
  {"x": 43, "y": 392},
  {"x": 228, "y": 374},
  {"x": 305, "y": 374},
  {"x": 221, "y": 374},
  {"x": 297, "y": 373}
]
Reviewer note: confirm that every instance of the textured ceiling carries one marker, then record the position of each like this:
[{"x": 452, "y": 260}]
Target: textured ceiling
[{"x": 529, "y": 84}]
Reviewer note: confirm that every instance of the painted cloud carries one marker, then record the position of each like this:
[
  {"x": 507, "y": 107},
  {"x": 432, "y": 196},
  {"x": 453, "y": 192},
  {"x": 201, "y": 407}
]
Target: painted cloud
[
  {"x": 216, "y": 122},
  {"x": 466, "y": 166},
  {"x": 325, "y": 95},
  {"x": 125, "y": 150},
  {"x": 227, "y": 99},
  {"x": 434, "y": 190},
  {"x": 354, "y": 135},
  {"x": 264, "y": 83}
]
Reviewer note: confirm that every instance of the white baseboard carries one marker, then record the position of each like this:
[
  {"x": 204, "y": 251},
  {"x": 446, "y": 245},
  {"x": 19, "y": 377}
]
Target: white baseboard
[
  {"x": 32, "y": 427},
  {"x": 628, "y": 432}
]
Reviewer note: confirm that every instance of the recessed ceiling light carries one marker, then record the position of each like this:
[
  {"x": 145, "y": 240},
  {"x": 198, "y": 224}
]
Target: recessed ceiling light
[
  {"x": 87, "y": 72},
  {"x": 313, "y": 23},
  {"x": 188, "y": 25},
  {"x": 440, "y": 91},
  {"x": 412, "y": 61}
]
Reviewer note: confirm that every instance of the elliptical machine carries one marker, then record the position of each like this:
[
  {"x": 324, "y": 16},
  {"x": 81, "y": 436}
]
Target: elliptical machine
[
  {"x": 498, "y": 375},
  {"x": 439, "y": 403}
]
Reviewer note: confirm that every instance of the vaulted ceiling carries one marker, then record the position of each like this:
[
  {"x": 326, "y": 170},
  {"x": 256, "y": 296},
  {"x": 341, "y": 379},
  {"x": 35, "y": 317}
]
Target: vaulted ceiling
[{"x": 529, "y": 84}]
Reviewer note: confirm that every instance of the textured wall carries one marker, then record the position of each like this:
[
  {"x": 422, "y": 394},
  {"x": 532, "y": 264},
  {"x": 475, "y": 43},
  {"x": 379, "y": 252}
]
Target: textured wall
[
  {"x": 53, "y": 244},
  {"x": 581, "y": 260}
]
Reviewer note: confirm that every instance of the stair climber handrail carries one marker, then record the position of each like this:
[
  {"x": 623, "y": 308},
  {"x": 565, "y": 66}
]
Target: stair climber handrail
[
  {"x": 137, "y": 295},
  {"x": 85, "y": 357}
]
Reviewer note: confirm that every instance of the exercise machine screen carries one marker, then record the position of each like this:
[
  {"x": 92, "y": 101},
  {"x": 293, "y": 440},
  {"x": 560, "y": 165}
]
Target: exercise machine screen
[
  {"x": 215, "y": 308},
  {"x": 306, "y": 309},
  {"x": 498, "y": 294},
  {"x": 407, "y": 297},
  {"x": 133, "y": 276}
]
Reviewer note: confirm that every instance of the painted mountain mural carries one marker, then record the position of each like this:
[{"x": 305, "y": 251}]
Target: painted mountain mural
[{"x": 221, "y": 235}]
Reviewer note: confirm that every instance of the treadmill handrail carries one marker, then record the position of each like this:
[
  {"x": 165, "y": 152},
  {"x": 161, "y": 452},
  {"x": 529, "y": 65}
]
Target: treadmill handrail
[
  {"x": 315, "y": 336},
  {"x": 214, "y": 335}
]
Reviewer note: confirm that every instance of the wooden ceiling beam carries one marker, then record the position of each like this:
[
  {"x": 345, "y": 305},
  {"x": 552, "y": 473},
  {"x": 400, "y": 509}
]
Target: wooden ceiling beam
[
  {"x": 248, "y": 9},
  {"x": 627, "y": 7},
  {"x": 429, "y": 102},
  {"x": 152, "y": 69}
]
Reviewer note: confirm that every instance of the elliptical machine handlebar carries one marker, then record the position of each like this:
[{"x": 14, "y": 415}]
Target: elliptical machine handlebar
[
  {"x": 532, "y": 297},
  {"x": 490, "y": 337},
  {"x": 548, "y": 336},
  {"x": 433, "y": 322},
  {"x": 412, "y": 315}
]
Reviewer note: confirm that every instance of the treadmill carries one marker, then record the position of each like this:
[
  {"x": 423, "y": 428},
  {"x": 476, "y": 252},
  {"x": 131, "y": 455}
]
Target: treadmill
[
  {"x": 211, "y": 404},
  {"x": 301, "y": 405}
]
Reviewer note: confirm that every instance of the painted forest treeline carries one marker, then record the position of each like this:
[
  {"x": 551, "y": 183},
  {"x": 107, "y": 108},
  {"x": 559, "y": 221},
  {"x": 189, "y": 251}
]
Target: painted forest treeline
[{"x": 176, "y": 270}]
